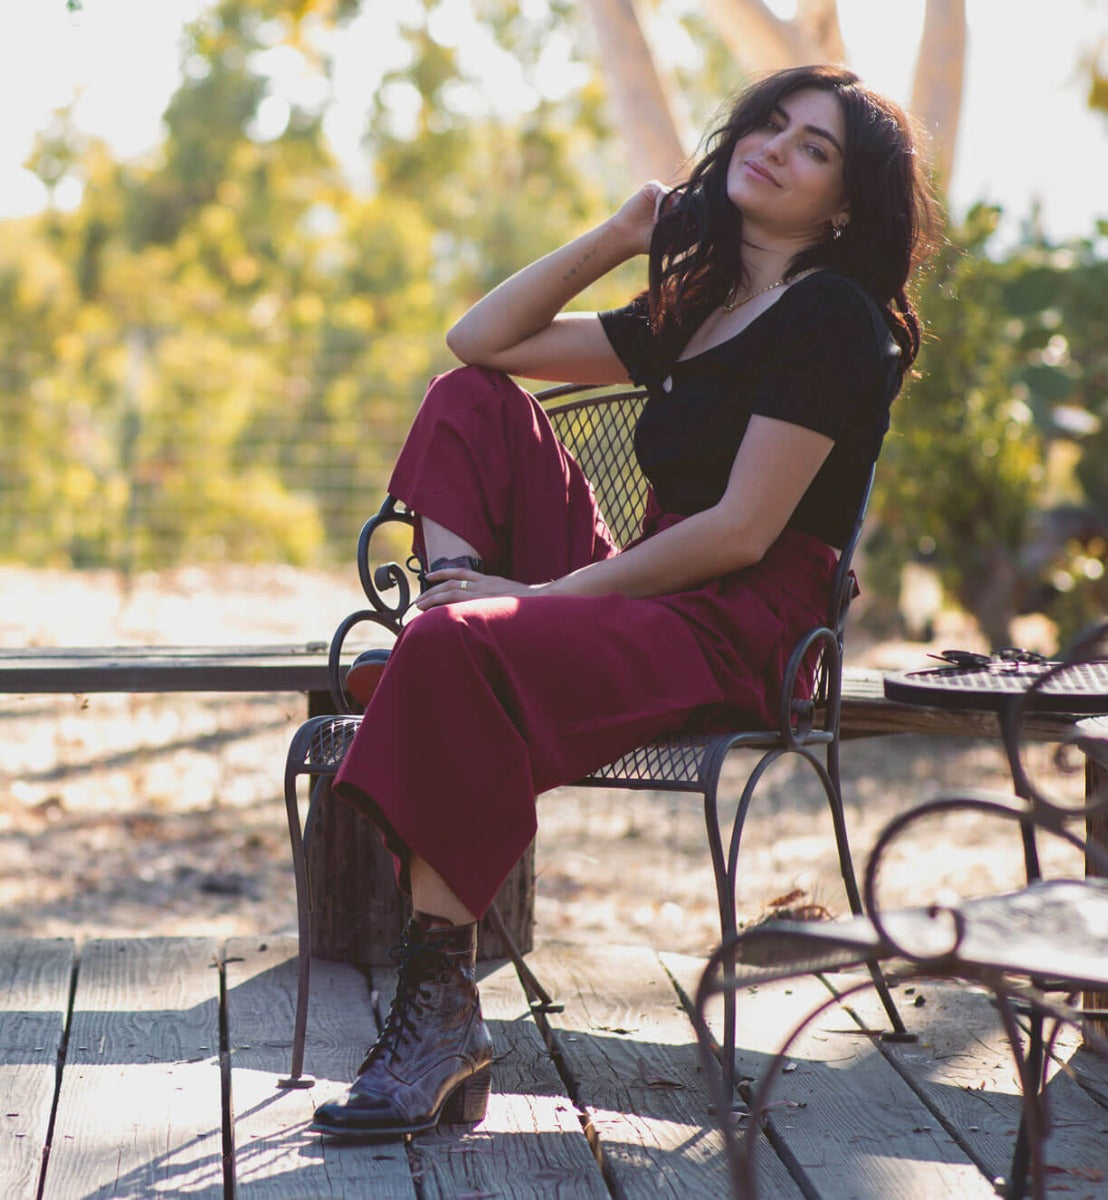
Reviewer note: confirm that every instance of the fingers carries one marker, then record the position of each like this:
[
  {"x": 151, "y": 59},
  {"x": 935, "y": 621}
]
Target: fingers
[
  {"x": 660, "y": 192},
  {"x": 448, "y": 587}
]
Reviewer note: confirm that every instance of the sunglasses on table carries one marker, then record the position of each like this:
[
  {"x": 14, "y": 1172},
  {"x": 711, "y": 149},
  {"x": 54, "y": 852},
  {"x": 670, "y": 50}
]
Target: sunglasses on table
[{"x": 1009, "y": 659}]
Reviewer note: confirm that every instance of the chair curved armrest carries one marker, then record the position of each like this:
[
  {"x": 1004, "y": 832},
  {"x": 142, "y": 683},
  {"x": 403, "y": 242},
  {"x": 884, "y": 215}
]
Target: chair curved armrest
[
  {"x": 797, "y": 712},
  {"x": 342, "y": 700},
  {"x": 932, "y": 947},
  {"x": 388, "y": 576}
]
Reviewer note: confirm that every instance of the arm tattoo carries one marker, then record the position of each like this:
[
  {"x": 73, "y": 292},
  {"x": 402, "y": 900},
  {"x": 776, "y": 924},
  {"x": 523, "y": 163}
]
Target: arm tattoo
[{"x": 579, "y": 264}]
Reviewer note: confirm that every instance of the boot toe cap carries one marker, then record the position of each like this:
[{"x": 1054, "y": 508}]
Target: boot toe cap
[{"x": 365, "y": 1116}]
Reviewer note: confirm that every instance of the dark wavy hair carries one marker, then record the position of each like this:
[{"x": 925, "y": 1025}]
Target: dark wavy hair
[{"x": 696, "y": 248}]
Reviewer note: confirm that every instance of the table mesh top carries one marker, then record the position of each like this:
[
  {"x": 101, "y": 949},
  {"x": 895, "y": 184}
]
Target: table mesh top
[{"x": 1078, "y": 688}]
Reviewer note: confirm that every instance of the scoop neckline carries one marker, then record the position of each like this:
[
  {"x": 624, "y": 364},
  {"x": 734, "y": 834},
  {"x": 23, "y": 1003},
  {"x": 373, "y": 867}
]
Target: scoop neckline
[{"x": 677, "y": 362}]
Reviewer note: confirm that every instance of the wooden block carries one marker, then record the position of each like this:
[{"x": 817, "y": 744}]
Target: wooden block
[
  {"x": 139, "y": 1109},
  {"x": 358, "y": 913},
  {"x": 275, "y": 1153},
  {"x": 34, "y": 1007}
]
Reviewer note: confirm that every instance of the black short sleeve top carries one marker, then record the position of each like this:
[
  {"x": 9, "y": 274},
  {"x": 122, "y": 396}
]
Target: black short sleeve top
[{"x": 822, "y": 356}]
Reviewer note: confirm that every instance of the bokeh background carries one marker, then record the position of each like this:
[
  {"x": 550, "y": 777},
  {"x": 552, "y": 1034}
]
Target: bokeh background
[{"x": 232, "y": 233}]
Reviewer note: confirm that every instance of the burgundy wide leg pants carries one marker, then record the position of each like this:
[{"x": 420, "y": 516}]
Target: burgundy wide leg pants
[{"x": 486, "y": 703}]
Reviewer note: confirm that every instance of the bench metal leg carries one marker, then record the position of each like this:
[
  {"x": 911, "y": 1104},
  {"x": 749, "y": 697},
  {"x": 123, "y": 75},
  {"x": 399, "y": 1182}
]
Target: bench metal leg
[
  {"x": 296, "y": 1077},
  {"x": 725, "y": 869},
  {"x": 1028, "y": 1155},
  {"x": 832, "y": 786},
  {"x": 538, "y": 996}
]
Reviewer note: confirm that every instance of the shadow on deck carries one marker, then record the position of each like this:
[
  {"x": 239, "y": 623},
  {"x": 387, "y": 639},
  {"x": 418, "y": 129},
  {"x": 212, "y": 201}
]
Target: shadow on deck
[{"x": 148, "y": 1067}]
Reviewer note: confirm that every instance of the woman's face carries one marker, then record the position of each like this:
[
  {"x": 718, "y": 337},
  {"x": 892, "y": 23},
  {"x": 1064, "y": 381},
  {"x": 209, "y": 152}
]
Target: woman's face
[{"x": 787, "y": 176}]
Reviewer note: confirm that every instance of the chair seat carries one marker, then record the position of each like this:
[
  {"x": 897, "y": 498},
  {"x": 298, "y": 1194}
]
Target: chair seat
[
  {"x": 674, "y": 762},
  {"x": 1056, "y": 929},
  {"x": 677, "y": 762}
]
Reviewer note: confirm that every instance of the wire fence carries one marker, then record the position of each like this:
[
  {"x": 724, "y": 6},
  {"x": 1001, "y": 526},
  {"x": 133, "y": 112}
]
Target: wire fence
[{"x": 171, "y": 450}]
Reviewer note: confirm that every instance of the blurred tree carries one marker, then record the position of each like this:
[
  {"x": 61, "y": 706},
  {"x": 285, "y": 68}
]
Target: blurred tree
[
  {"x": 961, "y": 470},
  {"x": 758, "y": 40},
  {"x": 245, "y": 338},
  {"x": 217, "y": 352},
  {"x": 499, "y": 188},
  {"x": 994, "y": 468}
]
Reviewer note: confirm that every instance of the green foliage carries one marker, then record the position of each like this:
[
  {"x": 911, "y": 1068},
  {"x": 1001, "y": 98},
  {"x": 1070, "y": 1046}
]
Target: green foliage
[
  {"x": 994, "y": 470},
  {"x": 218, "y": 352}
]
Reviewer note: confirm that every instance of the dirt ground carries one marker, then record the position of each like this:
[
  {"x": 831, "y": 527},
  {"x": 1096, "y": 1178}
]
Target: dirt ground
[{"x": 158, "y": 815}]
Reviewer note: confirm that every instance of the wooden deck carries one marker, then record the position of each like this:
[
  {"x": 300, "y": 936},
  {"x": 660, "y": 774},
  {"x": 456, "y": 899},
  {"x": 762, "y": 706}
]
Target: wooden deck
[{"x": 170, "y": 1050}]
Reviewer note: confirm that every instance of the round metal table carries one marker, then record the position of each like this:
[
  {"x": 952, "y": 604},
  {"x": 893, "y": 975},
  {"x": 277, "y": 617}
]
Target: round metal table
[
  {"x": 1078, "y": 695},
  {"x": 1080, "y": 690}
]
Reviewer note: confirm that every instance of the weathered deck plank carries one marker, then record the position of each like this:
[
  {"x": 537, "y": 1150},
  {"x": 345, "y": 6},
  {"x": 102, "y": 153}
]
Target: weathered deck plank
[
  {"x": 962, "y": 1067},
  {"x": 1088, "y": 1068},
  {"x": 35, "y": 980},
  {"x": 140, "y": 1109},
  {"x": 841, "y": 1115},
  {"x": 774, "y": 1178},
  {"x": 139, "y": 1106},
  {"x": 862, "y": 1131},
  {"x": 631, "y": 1054},
  {"x": 276, "y": 1156}
]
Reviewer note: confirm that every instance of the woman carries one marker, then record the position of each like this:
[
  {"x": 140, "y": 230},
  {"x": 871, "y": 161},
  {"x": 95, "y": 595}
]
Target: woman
[{"x": 773, "y": 336}]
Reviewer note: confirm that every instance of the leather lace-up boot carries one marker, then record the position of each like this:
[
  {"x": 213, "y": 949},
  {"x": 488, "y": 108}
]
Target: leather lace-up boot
[{"x": 433, "y": 1060}]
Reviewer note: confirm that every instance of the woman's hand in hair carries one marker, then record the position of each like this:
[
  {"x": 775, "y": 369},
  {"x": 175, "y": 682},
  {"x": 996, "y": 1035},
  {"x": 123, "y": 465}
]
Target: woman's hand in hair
[
  {"x": 635, "y": 219},
  {"x": 520, "y": 328}
]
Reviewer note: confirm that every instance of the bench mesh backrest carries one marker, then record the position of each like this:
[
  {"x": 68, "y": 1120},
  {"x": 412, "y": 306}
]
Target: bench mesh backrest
[{"x": 598, "y": 429}]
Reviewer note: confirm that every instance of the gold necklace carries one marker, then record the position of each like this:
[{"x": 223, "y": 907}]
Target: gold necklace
[{"x": 732, "y": 302}]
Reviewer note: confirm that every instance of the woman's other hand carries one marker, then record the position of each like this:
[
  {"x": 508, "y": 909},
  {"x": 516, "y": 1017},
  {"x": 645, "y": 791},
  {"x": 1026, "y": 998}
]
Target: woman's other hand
[{"x": 455, "y": 584}]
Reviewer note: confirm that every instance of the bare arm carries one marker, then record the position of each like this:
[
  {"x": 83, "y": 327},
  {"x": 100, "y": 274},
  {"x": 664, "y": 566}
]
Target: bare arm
[
  {"x": 775, "y": 464},
  {"x": 519, "y": 327}
]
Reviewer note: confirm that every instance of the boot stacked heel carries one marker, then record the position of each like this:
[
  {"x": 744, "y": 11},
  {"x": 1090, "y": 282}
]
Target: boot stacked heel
[{"x": 469, "y": 1101}]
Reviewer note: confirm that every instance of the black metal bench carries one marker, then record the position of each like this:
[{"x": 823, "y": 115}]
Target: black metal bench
[
  {"x": 1025, "y": 946},
  {"x": 596, "y": 425}
]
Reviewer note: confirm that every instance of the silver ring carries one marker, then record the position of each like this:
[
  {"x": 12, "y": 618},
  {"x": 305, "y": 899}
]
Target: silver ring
[{"x": 464, "y": 585}]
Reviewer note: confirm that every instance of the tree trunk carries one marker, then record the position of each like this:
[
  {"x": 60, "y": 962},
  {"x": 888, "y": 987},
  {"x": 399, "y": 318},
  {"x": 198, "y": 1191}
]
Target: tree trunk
[
  {"x": 939, "y": 80},
  {"x": 819, "y": 21},
  {"x": 643, "y": 107},
  {"x": 759, "y": 40}
]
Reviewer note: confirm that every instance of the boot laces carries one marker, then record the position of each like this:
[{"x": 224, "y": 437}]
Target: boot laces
[{"x": 419, "y": 963}]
